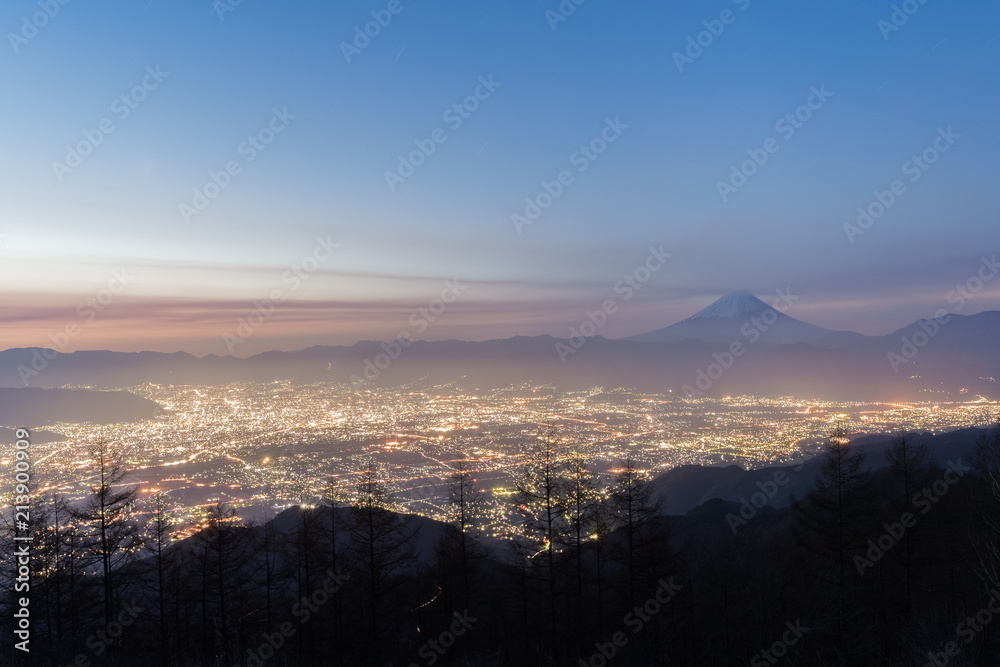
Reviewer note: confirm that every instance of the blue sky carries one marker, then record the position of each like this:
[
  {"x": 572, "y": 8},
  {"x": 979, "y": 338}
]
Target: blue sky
[{"x": 323, "y": 175}]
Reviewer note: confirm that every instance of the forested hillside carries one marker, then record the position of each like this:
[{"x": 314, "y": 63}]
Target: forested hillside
[{"x": 890, "y": 565}]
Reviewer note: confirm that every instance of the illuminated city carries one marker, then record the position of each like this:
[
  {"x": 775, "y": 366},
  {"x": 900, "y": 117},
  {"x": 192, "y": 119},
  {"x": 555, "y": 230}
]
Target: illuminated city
[{"x": 265, "y": 447}]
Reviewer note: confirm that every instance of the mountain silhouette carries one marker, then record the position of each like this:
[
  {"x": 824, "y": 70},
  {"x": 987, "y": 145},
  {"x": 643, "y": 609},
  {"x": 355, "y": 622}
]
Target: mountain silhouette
[
  {"x": 956, "y": 357},
  {"x": 739, "y": 316}
]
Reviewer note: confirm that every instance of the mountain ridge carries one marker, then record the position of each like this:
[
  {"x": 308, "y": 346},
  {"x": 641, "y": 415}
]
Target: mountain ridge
[{"x": 960, "y": 361}]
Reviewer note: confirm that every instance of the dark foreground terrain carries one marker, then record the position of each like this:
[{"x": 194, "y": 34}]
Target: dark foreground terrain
[{"x": 881, "y": 552}]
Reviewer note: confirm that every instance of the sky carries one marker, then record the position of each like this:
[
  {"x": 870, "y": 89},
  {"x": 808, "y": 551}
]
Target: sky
[{"x": 171, "y": 171}]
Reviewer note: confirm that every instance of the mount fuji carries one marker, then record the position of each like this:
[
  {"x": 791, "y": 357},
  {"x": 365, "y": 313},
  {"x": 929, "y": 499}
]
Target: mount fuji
[
  {"x": 948, "y": 358},
  {"x": 738, "y": 316}
]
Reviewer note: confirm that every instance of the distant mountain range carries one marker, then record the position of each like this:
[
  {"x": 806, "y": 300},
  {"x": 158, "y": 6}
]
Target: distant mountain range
[{"x": 738, "y": 345}]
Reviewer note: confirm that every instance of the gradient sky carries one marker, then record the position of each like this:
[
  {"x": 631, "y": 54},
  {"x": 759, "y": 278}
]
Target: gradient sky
[{"x": 323, "y": 175}]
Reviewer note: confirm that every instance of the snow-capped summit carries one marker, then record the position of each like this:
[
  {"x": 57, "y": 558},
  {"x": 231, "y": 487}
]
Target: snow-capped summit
[
  {"x": 733, "y": 304},
  {"x": 737, "y": 316}
]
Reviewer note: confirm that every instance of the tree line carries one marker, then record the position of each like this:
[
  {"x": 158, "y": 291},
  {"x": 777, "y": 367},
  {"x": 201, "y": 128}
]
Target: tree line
[{"x": 897, "y": 565}]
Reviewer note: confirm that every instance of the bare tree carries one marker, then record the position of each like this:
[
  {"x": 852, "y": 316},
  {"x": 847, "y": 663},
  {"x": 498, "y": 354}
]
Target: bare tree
[
  {"x": 583, "y": 501},
  {"x": 634, "y": 506},
  {"x": 224, "y": 548},
  {"x": 466, "y": 508},
  {"x": 539, "y": 490},
  {"x": 827, "y": 521},
  {"x": 113, "y": 529},
  {"x": 986, "y": 462},
  {"x": 160, "y": 534},
  {"x": 910, "y": 463},
  {"x": 381, "y": 544},
  {"x": 337, "y": 499}
]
